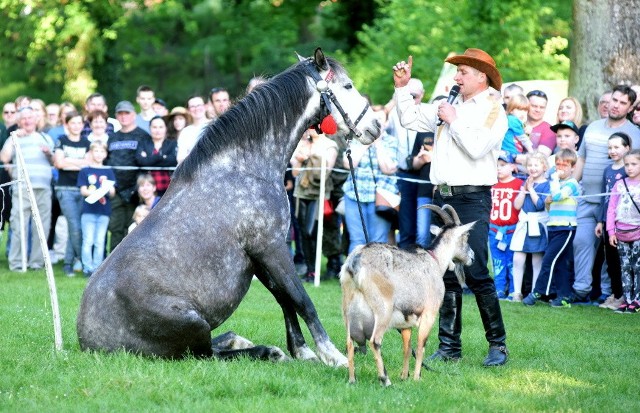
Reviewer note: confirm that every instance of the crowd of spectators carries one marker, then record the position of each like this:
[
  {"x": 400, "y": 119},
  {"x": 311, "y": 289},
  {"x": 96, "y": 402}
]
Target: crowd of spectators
[{"x": 62, "y": 147}]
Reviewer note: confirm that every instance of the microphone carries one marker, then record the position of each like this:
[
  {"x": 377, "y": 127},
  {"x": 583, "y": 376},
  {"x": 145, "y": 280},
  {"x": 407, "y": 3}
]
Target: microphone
[{"x": 453, "y": 94}]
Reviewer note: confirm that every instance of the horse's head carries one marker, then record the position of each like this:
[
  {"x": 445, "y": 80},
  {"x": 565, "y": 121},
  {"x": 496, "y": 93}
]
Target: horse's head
[{"x": 342, "y": 108}]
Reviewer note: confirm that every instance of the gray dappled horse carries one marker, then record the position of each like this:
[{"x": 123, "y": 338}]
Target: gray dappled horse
[{"x": 184, "y": 270}]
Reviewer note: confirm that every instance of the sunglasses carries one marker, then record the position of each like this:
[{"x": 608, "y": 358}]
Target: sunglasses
[{"x": 538, "y": 93}]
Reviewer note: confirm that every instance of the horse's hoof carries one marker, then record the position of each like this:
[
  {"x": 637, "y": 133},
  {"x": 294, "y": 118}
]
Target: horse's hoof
[
  {"x": 332, "y": 357},
  {"x": 305, "y": 353},
  {"x": 277, "y": 355}
]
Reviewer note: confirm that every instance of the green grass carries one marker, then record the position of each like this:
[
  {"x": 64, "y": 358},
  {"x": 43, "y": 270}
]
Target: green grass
[{"x": 579, "y": 359}]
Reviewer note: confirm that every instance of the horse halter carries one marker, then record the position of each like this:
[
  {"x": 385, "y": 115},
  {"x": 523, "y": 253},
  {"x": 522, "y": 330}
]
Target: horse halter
[{"x": 328, "y": 124}]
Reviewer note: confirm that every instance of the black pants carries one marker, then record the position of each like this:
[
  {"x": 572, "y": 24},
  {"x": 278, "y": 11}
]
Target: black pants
[
  {"x": 475, "y": 206},
  {"x": 307, "y": 213}
]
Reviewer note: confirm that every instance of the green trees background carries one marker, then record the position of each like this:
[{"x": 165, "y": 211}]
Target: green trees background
[{"x": 64, "y": 50}]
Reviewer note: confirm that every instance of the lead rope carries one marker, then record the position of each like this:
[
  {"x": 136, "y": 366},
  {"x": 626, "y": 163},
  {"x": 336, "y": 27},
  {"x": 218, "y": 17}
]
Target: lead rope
[{"x": 355, "y": 189}]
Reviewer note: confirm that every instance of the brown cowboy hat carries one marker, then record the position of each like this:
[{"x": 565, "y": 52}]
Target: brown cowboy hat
[{"x": 481, "y": 60}]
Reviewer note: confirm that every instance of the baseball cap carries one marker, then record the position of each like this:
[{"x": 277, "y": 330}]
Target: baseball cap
[
  {"x": 565, "y": 124},
  {"x": 506, "y": 157},
  {"x": 125, "y": 106}
]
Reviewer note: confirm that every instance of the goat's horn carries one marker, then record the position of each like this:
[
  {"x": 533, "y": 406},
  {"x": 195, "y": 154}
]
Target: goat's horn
[
  {"x": 446, "y": 219},
  {"x": 452, "y": 212}
]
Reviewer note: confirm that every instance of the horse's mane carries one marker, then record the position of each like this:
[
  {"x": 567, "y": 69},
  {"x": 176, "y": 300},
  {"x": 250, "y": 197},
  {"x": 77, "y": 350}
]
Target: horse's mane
[{"x": 269, "y": 108}]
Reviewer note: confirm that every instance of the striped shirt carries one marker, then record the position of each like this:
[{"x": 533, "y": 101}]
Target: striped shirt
[
  {"x": 564, "y": 206},
  {"x": 596, "y": 156},
  {"x": 36, "y": 162}
]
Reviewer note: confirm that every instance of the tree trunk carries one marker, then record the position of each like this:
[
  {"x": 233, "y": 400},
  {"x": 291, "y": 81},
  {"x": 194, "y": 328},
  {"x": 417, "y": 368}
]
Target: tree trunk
[{"x": 604, "y": 53}]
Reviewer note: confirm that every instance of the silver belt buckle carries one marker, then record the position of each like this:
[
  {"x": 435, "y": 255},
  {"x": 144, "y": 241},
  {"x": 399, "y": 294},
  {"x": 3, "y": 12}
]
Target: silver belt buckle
[{"x": 445, "y": 190}]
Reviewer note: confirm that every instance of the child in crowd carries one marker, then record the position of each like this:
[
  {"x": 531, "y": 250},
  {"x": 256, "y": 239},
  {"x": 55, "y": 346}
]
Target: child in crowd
[
  {"x": 504, "y": 216},
  {"x": 516, "y": 141},
  {"x": 561, "y": 227},
  {"x": 530, "y": 236},
  {"x": 147, "y": 190},
  {"x": 623, "y": 226},
  {"x": 566, "y": 138},
  {"x": 139, "y": 214},
  {"x": 619, "y": 145},
  {"x": 94, "y": 219}
]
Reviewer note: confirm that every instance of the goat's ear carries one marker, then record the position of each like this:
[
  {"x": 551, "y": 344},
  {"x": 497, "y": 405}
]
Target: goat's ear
[
  {"x": 467, "y": 227},
  {"x": 435, "y": 230}
]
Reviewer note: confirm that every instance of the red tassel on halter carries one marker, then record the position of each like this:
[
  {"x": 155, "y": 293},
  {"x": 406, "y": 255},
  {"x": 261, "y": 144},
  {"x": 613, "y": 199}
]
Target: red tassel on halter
[{"x": 328, "y": 126}]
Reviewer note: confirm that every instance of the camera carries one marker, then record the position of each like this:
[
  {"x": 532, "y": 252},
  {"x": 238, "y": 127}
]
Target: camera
[{"x": 409, "y": 160}]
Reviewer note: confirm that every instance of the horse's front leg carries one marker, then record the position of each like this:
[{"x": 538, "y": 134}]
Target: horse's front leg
[
  {"x": 280, "y": 278},
  {"x": 296, "y": 344}
]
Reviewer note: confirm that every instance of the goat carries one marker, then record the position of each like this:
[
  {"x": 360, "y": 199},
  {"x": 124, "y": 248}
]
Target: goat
[{"x": 385, "y": 287}]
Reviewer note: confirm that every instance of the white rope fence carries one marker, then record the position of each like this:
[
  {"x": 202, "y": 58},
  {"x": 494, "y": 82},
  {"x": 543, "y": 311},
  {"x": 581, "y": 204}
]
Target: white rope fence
[{"x": 23, "y": 176}]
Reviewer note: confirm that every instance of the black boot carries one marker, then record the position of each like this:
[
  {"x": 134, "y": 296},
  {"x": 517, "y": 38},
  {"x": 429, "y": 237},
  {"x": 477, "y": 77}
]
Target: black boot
[
  {"x": 495, "y": 333},
  {"x": 333, "y": 267},
  {"x": 450, "y": 328}
]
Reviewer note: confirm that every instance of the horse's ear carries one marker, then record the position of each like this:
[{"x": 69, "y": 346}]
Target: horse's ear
[{"x": 320, "y": 60}]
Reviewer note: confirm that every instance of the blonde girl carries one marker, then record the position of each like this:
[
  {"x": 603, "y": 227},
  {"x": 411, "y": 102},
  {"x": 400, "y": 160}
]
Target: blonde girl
[
  {"x": 530, "y": 235},
  {"x": 623, "y": 217}
]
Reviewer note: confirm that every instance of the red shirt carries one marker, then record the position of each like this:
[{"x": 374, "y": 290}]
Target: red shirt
[
  {"x": 543, "y": 135},
  {"x": 503, "y": 212}
]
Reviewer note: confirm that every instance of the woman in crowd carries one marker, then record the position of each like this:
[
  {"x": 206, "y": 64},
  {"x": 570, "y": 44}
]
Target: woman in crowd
[
  {"x": 69, "y": 157},
  {"x": 176, "y": 121},
  {"x": 40, "y": 109},
  {"x": 306, "y": 163},
  {"x": 158, "y": 151},
  {"x": 571, "y": 109},
  {"x": 98, "y": 123}
]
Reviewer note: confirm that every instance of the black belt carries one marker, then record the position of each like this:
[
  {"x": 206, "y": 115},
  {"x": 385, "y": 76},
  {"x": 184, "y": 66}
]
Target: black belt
[{"x": 446, "y": 190}]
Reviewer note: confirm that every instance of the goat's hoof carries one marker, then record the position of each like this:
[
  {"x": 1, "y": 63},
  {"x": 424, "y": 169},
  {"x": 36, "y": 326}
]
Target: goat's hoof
[{"x": 385, "y": 381}]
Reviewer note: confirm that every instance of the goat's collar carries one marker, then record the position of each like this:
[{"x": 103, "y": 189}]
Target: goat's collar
[{"x": 433, "y": 254}]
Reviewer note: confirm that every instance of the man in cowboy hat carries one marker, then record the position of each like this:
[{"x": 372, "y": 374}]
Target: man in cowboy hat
[{"x": 463, "y": 166}]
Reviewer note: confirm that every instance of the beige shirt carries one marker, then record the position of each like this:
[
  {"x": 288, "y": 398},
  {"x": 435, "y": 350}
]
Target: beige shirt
[{"x": 465, "y": 152}]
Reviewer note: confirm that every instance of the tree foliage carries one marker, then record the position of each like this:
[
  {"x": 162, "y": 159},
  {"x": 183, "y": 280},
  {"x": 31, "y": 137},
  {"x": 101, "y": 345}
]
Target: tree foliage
[
  {"x": 63, "y": 49},
  {"x": 511, "y": 31}
]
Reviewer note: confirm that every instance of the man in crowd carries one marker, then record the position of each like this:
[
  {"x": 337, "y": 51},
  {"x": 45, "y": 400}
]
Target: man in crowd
[
  {"x": 145, "y": 97},
  {"x": 190, "y": 134},
  {"x": 592, "y": 160},
  {"x": 219, "y": 100},
  {"x": 122, "y": 152}
]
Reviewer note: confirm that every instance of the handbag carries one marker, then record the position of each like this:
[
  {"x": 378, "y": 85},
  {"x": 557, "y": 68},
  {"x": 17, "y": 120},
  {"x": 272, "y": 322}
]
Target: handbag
[
  {"x": 631, "y": 234},
  {"x": 328, "y": 208},
  {"x": 387, "y": 203}
]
